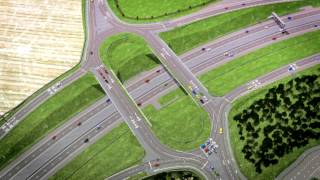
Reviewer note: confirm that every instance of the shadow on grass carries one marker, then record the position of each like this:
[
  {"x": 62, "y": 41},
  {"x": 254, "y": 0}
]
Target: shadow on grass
[{"x": 154, "y": 58}]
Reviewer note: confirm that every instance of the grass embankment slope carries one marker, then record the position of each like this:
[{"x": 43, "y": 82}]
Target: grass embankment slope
[
  {"x": 154, "y": 10},
  {"x": 237, "y": 145},
  {"x": 49, "y": 115},
  {"x": 187, "y": 37},
  {"x": 127, "y": 55},
  {"x": 229, "y": 76},
  {"x": 115, "y": 151},
  {"x": 180, "y": 123}
]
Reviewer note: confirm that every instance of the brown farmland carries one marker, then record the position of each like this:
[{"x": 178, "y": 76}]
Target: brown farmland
[{"x": 39, "y": 40}]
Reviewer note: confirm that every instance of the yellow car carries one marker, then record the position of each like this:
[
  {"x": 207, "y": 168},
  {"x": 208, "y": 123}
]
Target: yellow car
[{"x": 220, "y": 130}]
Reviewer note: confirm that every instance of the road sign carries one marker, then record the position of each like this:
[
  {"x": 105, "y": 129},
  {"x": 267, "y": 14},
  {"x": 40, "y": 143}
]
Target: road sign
[{"x": 278, "y": 20}]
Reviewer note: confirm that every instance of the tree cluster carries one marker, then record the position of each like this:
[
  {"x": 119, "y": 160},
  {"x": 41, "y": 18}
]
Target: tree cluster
[{"x": 287, "y": 117}]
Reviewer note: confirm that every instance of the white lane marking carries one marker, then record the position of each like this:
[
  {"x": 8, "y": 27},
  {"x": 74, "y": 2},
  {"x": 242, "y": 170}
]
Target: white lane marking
[
  {"x": 164, "y": 57},
  {"x": 204, "y": 165},
  {"x": 165, "y": 51}
]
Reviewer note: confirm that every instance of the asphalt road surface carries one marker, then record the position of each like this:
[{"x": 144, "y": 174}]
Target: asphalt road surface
[{"x": 307, "y": 166}]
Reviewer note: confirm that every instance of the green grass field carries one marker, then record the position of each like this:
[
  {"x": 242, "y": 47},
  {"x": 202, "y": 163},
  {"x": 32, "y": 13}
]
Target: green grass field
[
  {"x": 158, "y": 9},
  {"x": 115, "y": 151},
  {"x": 242, "y": 103},
  {"x": 229, "y": 76},
  {"x": 180, "y": 123},
  {"x": 127, "y": 55},
  {"x": 187, "y": 37},
  {"x": 138, "y": 176},
  {"x": 49, "y": 115}
]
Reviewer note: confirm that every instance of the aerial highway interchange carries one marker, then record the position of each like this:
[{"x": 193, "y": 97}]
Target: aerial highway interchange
[{"x": 122, "y": 103}]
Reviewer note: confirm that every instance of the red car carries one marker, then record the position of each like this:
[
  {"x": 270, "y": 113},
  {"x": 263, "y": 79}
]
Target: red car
[{"x": 54, "y": 137}]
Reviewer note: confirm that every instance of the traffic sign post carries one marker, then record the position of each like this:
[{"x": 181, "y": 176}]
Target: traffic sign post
[{"x": 278, "y": 21}]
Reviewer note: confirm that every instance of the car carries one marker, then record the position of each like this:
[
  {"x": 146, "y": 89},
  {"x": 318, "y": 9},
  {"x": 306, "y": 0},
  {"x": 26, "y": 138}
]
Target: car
[
  {"x": 105, "y": 71},
  {"x": 106, "y": 81},
  {"x": 91, "y": 52},
  {"x": 220, "y": 130},
  {"x": 247, "y": 31},
  {"x": 79, "y": 123},
  {"x": 208, "y": 142},
  {"x": 86, "y": 140},
  {"x": 201, "y": 100},
  {"x": 289, "y": 18},
  {"x": 54, "y": 137},
  {"x": 98, "y": 127},
  {"x": 139, "y": 104},
  {"x": 204, "y": 98},
  {"x": 147, "y": 80},
  {"x": 206, "y": 150},
  {"x": 158, "y": 71},
  {"x": 203, "y": 146},
  {"x": 226, "y": 53},
  {"x": 274, "y": 38},
  {"x": 156, "y": 164},
  {"x": 108, "y": 100}
]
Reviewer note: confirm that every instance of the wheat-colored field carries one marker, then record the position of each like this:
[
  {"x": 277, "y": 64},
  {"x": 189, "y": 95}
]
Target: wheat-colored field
[{"x": 39, "y": 40}]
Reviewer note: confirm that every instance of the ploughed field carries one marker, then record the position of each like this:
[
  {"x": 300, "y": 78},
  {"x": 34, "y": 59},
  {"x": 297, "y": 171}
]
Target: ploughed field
[{"x": 39, "y": 40}]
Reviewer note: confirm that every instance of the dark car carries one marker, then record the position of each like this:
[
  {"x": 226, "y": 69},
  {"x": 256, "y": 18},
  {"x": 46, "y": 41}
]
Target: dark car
[{"x": 86, "y": 140}]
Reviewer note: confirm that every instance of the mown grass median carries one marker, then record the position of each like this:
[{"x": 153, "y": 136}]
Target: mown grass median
[
  {"x": 229, "y": 76},
  {"x": 49, "y": 115},
  {"x": 115, "y": 151},
  {"x": 184, "y": 38},
  {"x": 179, "y": 123},
  {"x": 127, "y": 55},
  {"x": 237, "y": 143}
]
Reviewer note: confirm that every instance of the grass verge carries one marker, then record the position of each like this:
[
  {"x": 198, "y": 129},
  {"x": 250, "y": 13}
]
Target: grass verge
[
  {"x": 127, "y": 55},
  {"x": 137, "y": 11},
  {"x": 184, "y": 38},
  {"x": 138, "y": 176},
  {"x": 115, "y": 151},
  {"x": 229, "y": 76},
  {"x": 246, "y": 167},
  {"x": 49, "y": 115},
  {"x": 180, "y": 123}
]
